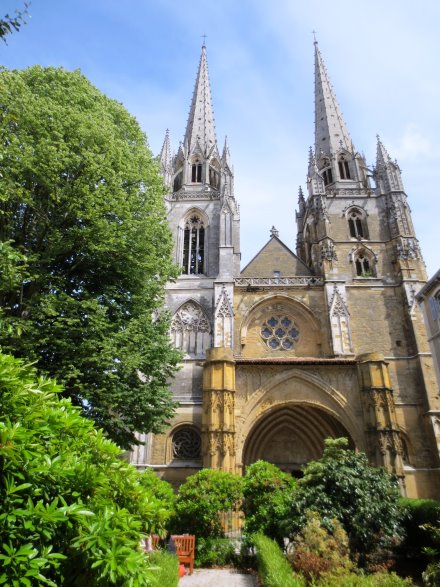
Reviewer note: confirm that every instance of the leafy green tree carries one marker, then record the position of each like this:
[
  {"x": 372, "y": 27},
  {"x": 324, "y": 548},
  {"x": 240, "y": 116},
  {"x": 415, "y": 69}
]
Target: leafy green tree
[
  {"x": 86, "y": 249},
  {"x": 72, "y": 511},
  {"x": 343, "y": 486},
  {"x": 202, "y": 499},
  {"x": 267, "y": 493}
]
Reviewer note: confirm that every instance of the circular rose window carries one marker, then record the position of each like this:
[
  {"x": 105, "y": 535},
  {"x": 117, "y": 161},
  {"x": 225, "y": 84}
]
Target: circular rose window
[{"x": 280, "y": 333}]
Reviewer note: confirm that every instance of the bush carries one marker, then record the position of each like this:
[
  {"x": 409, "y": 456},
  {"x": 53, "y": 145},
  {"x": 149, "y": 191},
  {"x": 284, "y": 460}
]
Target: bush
[
  {"x": 316, "y": 551},
  {"x": 416, "y": 514},
  {"x": 267, "y": 493},
  {"x": 73, "y": 511},
  {"x": 343, "y": 486},
  {"x": 215, "y": 552},
  {"x": 201, "y": 500},
  {"x": 273, "y": 567}
]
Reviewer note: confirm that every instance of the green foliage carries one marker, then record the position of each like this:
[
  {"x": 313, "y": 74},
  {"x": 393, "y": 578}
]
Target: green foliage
[
  {"x": 273, "y": 568},
  {"x": 343, "y": 486},
  {"x": 417, "y": 513},
  {"x": 165, "y": 569},
  {"x": 431, "y": 576},
  {"x": 317, "y": 552},
  {"x": 86, "y": 249},
  {"x": 162, "y": 490},
  {"x": 214, "y": 552},
  {"x": 267, "y": 493},
  {"x": 202, "y": 498},
  {"x": 73, "y": 512}
]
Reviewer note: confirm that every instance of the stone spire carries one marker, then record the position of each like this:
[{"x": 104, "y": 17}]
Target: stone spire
[
  {"x": 200, "y": 127},
  {"x": 331, "y": 133},
  {"x": 165, "y": 159}
]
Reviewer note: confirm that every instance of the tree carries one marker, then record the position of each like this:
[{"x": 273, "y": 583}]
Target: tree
[
  {"x": 86, "y": 249},
  {"x": 8, "y": 23},
  {"x": 72, "y": 511},
  {"x": 202, "y": 499},
  {"x": 267, "y": 493},
  {"x": 343, "y": 486}
]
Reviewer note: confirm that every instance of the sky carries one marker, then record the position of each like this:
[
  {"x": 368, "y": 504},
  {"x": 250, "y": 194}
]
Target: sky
[{"x": 382, "y": 57}]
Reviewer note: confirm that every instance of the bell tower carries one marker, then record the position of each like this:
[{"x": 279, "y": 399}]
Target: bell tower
[{"x": 355, "y": 231}]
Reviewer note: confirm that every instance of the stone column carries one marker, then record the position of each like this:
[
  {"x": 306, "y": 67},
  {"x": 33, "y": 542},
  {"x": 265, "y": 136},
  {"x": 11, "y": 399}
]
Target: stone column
[
  {"x": 382, "y": 430},
  {"x": 218, "y": 421}
]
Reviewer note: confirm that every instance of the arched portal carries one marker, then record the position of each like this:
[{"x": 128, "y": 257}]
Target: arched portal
[{"x": 291, "y": 435}]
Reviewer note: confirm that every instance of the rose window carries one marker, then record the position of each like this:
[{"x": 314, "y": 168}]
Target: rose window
[
  {"x": 280, "y": 333},
  {"x": 186, "y": 444}
]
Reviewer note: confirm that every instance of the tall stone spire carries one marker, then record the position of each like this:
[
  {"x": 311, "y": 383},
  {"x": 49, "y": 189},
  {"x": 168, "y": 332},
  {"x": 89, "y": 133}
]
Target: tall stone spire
[
  {"x": 165, "y": 160},
  {"x": 331, "y": 133},
  {"x": 200, "y": 127}
]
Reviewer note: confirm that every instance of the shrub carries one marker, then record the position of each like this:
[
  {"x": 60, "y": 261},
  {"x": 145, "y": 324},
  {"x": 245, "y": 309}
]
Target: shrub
[
  {"x": 316, "y": 551},
  {"x": 343, "y": 486},
  {"x": 72, "y": 511},
  {"x": 215, "y": 552},
  {"x": 267, "y": 493},
  {"x": 273, "y": 567},
  {"x": 202, "y": 498},
  {"x": 417, "y": 513}
]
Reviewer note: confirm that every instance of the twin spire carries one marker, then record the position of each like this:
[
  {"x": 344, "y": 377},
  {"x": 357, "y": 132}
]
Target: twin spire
[
  {"x": 201, "y": 127},
  {"x": 331, "y": 132}
]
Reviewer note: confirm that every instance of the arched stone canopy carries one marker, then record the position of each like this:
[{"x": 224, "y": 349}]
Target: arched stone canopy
[{"x": 291, "y": 435}]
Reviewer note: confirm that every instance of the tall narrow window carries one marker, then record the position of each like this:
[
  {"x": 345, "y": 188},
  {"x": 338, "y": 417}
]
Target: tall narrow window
[
  {"x": 214, "y": 178},
  {"x": 196, "y": 172},
  {"x": 355, "y": 224},
  {"x": 328, "y": 176},
  {"x": 178, "y": 181},
  {"x": 193, "y": 246},
  {"x": 344, "y": 169}
]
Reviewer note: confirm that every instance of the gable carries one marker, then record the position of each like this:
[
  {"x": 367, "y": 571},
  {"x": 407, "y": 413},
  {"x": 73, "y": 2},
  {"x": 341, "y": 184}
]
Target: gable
[{"x": 275, "y": 256}]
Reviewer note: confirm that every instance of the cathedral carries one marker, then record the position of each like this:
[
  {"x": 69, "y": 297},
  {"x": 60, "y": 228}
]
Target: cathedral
[{"x": 327, "y": 341}]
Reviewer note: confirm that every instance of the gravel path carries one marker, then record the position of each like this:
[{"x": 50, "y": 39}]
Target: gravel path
[{"x": 217, "y": 578}]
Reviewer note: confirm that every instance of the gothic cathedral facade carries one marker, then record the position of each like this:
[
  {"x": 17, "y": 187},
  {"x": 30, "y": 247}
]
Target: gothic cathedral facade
[{"x": 296, "y": 347}]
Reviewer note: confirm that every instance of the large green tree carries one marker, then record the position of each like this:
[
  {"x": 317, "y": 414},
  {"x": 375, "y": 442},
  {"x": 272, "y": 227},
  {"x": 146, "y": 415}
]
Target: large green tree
[{"x": 85, "y": 249}]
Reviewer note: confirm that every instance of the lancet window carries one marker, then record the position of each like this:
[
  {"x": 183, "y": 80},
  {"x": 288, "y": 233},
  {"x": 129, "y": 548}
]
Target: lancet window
[
  {"x": 196, "y": 172},
  {"x": 435, "y": 306},
  {"x": 214, "y": 175},
  {"x": 344, "y": 169},
  {"x": 193, "y": 246},
  {"x": 191, "y": 329},
  {"x": 356, "y": 223}
]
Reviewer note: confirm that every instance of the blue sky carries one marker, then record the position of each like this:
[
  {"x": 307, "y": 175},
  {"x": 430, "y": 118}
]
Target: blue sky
[{"x": 382, "y": 57}]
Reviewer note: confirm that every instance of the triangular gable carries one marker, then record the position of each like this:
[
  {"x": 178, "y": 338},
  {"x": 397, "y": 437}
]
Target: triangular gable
[{"x": 275, "y": 256}]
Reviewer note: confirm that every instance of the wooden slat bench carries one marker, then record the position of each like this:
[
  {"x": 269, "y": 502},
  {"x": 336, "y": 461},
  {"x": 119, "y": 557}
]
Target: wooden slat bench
[{"x": 185, "y": 547}]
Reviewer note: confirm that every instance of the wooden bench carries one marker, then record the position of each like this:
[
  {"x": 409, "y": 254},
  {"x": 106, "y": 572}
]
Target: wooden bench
[{"x": 185, "y": 546}]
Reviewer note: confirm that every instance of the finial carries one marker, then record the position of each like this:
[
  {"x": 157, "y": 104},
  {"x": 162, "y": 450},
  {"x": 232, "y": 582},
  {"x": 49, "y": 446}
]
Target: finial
[
  {"x": 274, "y": 231},
  {"x": 204, "y": 40},
  {"x": 315, "y": 42}
]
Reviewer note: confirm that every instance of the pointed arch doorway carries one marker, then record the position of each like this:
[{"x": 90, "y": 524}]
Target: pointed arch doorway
[{"x": 290, "y": 436}]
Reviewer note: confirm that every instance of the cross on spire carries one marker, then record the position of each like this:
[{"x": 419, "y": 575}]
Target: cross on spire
[{"x": 204, "y": 40}]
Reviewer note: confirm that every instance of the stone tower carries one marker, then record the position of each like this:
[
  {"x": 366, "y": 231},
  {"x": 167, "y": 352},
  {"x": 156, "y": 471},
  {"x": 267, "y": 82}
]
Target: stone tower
[
  {"x": 361, "y": 240},
  {"x": 204, "y": 218}
]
